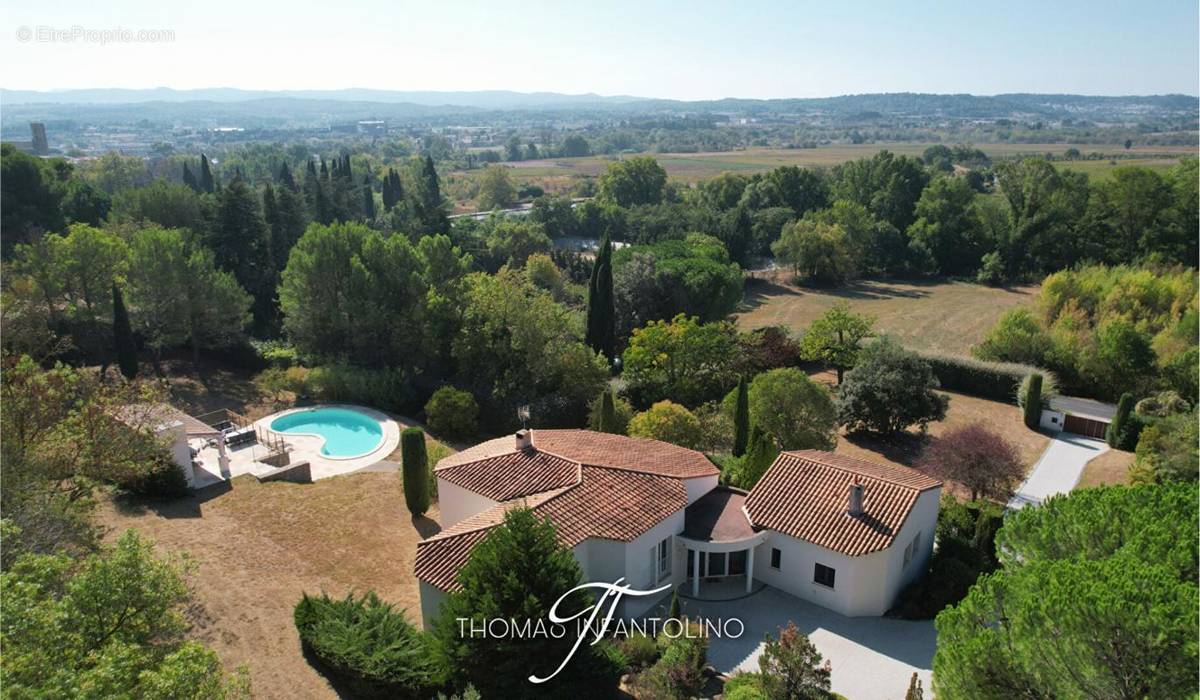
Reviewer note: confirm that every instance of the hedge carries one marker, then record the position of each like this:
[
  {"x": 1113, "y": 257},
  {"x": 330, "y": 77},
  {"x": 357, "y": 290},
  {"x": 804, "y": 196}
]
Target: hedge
[
  {"x": 990, "y": 380},
  {"x": 368, "y": 646}
]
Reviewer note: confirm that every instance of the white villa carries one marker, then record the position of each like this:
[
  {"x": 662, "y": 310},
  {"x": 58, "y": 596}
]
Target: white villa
[{"x": 840, "y": 532}]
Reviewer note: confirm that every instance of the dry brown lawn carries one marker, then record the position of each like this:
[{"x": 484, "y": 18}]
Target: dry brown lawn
[
  {"x": 1110, "y": 468},
  {"x": 929, "y": 316},
  {"x": 258, "y": 547}
]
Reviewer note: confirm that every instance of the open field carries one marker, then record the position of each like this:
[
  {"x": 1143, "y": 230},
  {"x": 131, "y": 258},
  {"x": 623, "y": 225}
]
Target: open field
[
  {"x": 1100, "y": 170},
  {"x": 928, "y": 316},
  {"x": 556, "y": 174},
  {"x": 257, "y": 547}
]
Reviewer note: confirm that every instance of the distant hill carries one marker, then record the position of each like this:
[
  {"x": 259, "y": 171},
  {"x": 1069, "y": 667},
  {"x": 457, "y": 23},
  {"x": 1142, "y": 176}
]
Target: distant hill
[
  {"x": 285, "y": 108},
  {"x": 486, "y": 99}
]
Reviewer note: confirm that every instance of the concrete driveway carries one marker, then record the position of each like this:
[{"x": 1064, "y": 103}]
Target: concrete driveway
[
  {"x": 1058, "y": 469},
  {"x": 871, "y": 658}
]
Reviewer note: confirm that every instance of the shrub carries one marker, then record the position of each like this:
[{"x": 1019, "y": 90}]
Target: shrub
[
  {"x": 368, "y": 645},
  {"x": 679, "y": 673},
  {"x": 163, "y": 479},
  {"x": 276, "y": 353},
  {"x": 990, "y": 380},
  {"x": 416, "y": 471},
  {"x": 640, "y": 651},
  {"x": 1162, "y": 404},
  {"x": 1049, "y": 388},
  {"x": 452, "y": 413},
  {"x": 744, "y": 686},
  {"x": 668, "y": 422},
  {"x": 791, "y": 666},
  {"x": 388, "y": 389}
]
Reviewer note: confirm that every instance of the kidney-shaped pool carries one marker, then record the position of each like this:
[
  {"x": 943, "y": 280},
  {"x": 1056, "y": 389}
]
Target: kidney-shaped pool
[{"x": 347, "y": 433}]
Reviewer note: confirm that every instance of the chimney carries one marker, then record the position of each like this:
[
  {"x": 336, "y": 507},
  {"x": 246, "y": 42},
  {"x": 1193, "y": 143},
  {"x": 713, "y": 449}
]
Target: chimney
[
  {"x": 856, "y": 499},
  {"x": 524, "y": 439}
]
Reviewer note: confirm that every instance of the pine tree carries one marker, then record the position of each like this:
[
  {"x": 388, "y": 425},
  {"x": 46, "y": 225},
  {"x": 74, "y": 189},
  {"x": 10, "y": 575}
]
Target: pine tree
[
  {"x": 292, "y": 220},
  {"x": 741, "y": 419},
  {"x": 242, "y": 245},
  {"x": 206, "y": 177},
  {"x": 416, "y": 471},
  {"x": 601, "y": 316},
  {"x": 125, "y": 346},
  {"x": 1116, "y": 428},
  {"x": 608, "y": 413},
  {"x": 1033, "y": 401},
  {"x": 286, "y": 179},
  {"x": 189, "y": 179}
]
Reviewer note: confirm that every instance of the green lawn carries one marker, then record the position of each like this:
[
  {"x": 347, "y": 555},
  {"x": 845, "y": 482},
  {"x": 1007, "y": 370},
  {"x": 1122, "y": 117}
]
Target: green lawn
[{"x": 929, "y": 316}]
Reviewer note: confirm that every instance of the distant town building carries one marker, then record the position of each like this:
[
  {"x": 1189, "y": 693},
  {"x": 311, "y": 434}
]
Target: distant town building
[
  {"x": 40, "y": 145},
  {"x": 372, "y": 126}
]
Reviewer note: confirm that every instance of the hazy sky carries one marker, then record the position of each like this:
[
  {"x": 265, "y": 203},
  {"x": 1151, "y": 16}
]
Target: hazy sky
[{"x": 686, "y": 50}]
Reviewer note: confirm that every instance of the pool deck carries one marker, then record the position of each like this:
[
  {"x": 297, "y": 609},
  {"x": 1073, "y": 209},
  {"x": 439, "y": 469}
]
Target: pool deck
[{"x": 301, "y": 448}]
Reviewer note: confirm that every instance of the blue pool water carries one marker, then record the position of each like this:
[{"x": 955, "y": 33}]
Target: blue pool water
[{"x": 347, "y": 433}]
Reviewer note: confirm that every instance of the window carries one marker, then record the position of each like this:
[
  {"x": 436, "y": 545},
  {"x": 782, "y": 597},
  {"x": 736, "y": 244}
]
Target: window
[
  {"x": 716, "y": 564},
  {"x": 824, "y": 575},
  {"x": 776, "y": 557},
  {"x": 664, "y": 558}
]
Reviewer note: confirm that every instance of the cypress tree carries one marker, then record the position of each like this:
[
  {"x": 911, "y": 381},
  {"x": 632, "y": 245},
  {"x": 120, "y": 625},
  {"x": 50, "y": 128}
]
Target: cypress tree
[
  {"x": 1033, "y": 401},
  {"x": 759, "y": 457},
  {"x": 676, "y": 609},
  {"x": 125, "y": 346},
  {"x": 386, "y": 193},
  {"x": 429, "y": 200},
  {"x": 206, "y": 177},
  {"x": 285, "y": 177},
  {"x": 1117, "y": 426},
  {"x": 311, "y": 168},
  {"x": 368, "y": 199},
  {"x": 608, "y": 413},
  {"x": 741, "y": 419},
  {"x": 601, "y": 316},
  {"x": 415, "y": 471},
  {"x": 324, "y": 169},
  {"x": 189, "y": 179}
]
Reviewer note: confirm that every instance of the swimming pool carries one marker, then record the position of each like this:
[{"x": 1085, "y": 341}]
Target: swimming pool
[{"x": 347, "y": 433}]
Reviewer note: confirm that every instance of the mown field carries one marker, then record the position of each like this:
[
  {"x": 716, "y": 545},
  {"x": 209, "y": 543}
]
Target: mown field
[
  {"x": 557, "y": 174},
  {"x": 928, "y": 316}
]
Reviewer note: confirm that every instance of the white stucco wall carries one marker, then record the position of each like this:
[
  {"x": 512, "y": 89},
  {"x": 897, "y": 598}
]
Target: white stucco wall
[
  {"x": 431, "y": 601},
  {"x": 863, "y": 586},
  {"x": 1052, "y": 420},
  {"x": 181, "y": 455},
  {"x": 698, "y": 486},
  {"x": 456, "y": 503}
]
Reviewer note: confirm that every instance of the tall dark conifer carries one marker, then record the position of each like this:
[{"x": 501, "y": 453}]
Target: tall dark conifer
[
  {"x": 741, "y": 419},
  {"x": 601, "y": 316},
  {"x": 285, "y": 177},
  {"x": 368, "y": 199},
  {"x": 207, "y": 183},
  {"x": 125, "y": 346},
  {"x": 189, "y": 179}
]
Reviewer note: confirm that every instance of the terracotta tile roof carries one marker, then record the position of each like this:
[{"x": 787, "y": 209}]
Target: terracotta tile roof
[
  {"x": 607, "y": 503},
  {"x": 496, "y": 469},
  {"x": 805, "y": 494},
  {"x": 515, "y": 473},
  {"x": 620, "y": 452}
]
